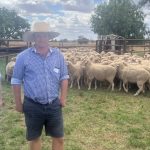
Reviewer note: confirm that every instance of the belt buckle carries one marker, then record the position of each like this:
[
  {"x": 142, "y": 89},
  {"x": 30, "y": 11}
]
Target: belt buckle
[{"x": 50, "y": 102}]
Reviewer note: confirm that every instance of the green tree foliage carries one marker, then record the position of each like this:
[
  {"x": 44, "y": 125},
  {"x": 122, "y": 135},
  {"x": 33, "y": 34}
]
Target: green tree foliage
[
  {"x": 11, "y": 25},
  {"x": 144, "y": 3},
  {"x": 120, "y": 17}
]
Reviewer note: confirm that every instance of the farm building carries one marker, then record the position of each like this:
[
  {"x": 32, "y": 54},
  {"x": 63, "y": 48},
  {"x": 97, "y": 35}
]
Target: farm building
[{"x": 110, "y": 42}]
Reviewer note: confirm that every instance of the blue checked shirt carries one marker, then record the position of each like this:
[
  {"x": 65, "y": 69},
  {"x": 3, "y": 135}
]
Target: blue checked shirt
[{"x": 41, "y": 76}]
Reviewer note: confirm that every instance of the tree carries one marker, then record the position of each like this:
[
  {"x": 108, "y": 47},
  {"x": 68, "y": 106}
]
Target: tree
[
  {"x": 82, "y": 40},
  {"x": 144, "y": 3},
  {"x": 120, "y": 17},
  {"x": 64, "y": 40},
  {"x": 12, "y": 26}
]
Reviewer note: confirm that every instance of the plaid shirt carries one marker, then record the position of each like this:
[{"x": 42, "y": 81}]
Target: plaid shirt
[{"x": 41, "y": 76}]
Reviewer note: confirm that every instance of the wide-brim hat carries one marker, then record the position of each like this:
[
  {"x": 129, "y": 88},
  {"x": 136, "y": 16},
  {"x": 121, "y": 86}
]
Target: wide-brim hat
[{"x": 39, "y": 27}]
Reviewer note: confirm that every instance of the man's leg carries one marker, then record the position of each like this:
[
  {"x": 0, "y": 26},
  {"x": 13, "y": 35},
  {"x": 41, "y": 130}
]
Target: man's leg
[
  {"x": 57, "y": 144},
  {"x": 34, "y": 120},
  {"x": 35, "y": 144},
  {"x": 54, "y": 125}
]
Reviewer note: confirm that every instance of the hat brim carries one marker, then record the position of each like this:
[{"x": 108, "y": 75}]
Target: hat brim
[{"x": 29, "y": 36}]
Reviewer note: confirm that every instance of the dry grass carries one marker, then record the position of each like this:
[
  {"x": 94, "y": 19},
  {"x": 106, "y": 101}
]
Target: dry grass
[{"x": 94, "y": 120}]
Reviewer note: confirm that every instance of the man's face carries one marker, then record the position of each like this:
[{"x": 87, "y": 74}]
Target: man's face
[{"x": 41, "y": 39}]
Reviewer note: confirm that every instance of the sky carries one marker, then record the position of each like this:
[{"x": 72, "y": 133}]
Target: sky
[{"x": 71, "y": 18}]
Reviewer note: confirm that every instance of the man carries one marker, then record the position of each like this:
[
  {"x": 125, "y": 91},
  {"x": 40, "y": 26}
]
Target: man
[{"x": 43, "y": 71}]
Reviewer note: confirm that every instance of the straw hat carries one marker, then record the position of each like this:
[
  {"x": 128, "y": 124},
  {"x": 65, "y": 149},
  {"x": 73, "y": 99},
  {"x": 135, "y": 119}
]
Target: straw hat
[{"x": 39, "y": 27}]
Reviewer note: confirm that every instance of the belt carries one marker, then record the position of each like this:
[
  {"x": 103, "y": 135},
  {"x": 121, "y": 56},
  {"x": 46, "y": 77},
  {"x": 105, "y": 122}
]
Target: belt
[{"x": 36, "y": 102}]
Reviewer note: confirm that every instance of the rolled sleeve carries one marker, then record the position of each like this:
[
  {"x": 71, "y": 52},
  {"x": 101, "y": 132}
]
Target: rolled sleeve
[
  {"x": 15, "y": 81},
  {"x": 66, "y": 77},
  {"x": 18, "y": 71}
]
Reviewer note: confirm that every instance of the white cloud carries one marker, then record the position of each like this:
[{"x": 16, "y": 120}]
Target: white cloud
[
  {"x": 79, "y": 5},
  {"x": 73, "y": 21},
  {"x": 71, "y": 18},
  {"x": 34, "y": 8},
  {"x": 72, "y": 25}
]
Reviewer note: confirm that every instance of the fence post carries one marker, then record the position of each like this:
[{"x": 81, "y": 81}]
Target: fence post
[
  {"x": 149, "y": 45},
  {"x": 125, "y": 46},
  {"x": 96, "y": 45},
  {"x": 6, "y": 62}
]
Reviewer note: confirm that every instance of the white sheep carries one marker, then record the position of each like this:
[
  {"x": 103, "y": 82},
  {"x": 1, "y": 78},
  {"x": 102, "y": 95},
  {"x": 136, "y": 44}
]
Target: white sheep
[
  {"x": 13, "y": 59},
  {"x": 75, "y": 71},
  {"x": 147, "y": 56},
  {"x": 100, "y": 72},
  {"x": 9, "y": 70},
  {"x": 133, "y": 75}
]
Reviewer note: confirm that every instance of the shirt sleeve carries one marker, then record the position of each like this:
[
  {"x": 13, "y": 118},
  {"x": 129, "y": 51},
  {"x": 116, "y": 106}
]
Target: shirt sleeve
[
  {"x": 63, "y": 69},
  {"x": 18, "y": 72}
]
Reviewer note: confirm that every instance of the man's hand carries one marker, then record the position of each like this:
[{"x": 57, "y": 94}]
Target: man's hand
[
  {"x": 62, "y": 102},
  {"x": 19, "y": 107},
  {"x": 17, "y": 94},
  {"x": 64, "y": 87}
]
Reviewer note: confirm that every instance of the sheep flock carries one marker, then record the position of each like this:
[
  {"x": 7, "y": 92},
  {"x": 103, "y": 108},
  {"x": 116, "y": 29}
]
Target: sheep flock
[{"x": 89, "y": 69}]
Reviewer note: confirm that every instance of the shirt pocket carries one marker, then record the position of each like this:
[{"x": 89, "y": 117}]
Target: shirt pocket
[{"x": 56, "y": 72}]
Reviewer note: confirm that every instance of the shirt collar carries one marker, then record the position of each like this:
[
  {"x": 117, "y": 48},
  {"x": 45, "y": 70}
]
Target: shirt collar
[{"x": 33, "y": 49}]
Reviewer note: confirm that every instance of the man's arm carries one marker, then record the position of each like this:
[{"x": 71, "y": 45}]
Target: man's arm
[
  {"x": 63, "y": 80},
  {"x": 16, "y": 80},
  {"x": 17, "y": 94},
  {"x": 64, "y": 90}
]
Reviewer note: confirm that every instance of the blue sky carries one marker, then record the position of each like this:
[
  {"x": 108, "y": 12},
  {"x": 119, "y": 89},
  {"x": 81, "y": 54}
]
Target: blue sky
[{"x": 71, "y": 18}]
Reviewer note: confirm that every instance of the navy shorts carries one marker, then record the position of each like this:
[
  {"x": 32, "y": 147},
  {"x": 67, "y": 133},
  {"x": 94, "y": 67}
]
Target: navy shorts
[{"x": 38, "y": 116}]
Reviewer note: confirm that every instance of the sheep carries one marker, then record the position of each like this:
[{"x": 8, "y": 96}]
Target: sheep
[
  {"x": 9, "y": 70},
  {"x": 13, "y": 59},
  {"x": 75, "y": 71},
  {"x": 147, "y": 56},
  {"x": 75, "y": 55},
  {"x": 133, "y": 75},
  {"x": 105, "y": 62},
  {"x": 95, "y": 59},
  {"x": 103, "y": 53},
  {"x": 100, "y": 72}
]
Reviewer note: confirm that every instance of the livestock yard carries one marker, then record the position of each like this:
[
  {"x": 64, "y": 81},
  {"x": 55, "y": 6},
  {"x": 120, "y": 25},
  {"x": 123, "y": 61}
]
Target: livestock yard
[{"x": 96, "y": 118}]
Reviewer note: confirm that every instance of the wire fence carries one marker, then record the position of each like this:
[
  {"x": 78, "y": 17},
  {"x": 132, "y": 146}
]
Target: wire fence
[{"x": 121, "y": 46}]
